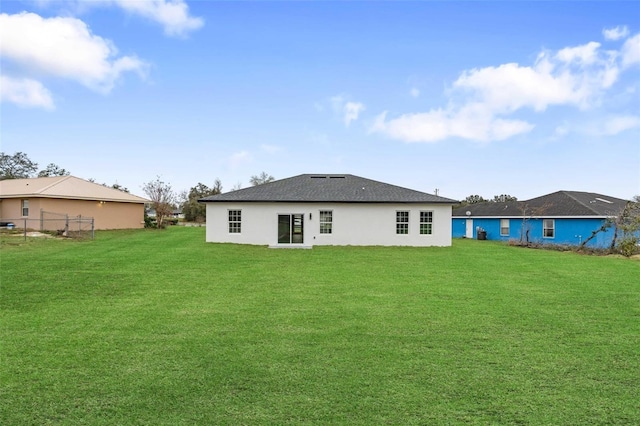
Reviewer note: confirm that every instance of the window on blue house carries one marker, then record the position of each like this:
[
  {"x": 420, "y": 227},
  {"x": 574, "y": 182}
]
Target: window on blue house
[
  {"x": 548, "y": 228},
  {"x": 504, "y": 227}
]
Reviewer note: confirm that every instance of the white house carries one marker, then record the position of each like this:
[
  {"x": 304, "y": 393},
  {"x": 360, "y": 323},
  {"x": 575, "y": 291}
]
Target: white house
[{"x": 310, "y": 209}]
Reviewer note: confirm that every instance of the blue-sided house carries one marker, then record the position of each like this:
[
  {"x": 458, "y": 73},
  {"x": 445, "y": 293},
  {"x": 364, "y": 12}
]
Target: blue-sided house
[{"x": 563, "y": 218}]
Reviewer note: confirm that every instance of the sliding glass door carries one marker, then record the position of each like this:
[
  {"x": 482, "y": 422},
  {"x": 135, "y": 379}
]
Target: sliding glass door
[{"x": 290, "y": 229}]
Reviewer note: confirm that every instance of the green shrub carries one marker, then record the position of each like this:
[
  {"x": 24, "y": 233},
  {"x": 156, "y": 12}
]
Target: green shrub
[
  {"x": 628, "y": 246},
  {"x": 150, "y": 222}
]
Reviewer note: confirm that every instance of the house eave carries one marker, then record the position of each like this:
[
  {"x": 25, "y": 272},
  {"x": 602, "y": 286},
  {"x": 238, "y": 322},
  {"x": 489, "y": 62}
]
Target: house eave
[
  {"x": 329, "y": 202},
  {"x": 534, "y": 217},
  {"x": 62, "y": 197}
]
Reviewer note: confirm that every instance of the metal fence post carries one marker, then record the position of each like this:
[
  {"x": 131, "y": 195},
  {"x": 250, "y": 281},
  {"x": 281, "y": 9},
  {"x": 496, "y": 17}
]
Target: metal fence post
[
  {"x": 92, "y": 229},
  {"x": 25, "y": 229}
]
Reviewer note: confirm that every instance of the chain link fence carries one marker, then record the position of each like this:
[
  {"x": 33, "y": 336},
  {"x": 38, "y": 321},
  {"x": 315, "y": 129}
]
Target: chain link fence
[{"x": 58, "y": 224}]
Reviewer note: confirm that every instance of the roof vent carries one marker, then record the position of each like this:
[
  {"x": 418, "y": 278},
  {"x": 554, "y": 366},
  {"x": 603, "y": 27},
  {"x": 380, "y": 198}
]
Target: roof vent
[{"x": 604, "y": 201}]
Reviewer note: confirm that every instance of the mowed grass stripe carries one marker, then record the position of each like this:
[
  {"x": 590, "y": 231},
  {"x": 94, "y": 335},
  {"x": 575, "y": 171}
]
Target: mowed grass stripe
[{"x": 159, "y": 327}]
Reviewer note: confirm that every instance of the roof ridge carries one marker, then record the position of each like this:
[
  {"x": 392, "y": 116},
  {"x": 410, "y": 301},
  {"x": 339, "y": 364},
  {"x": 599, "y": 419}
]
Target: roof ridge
[
  {"x": 587, "y": 206},
  {"x": 55, "y": 182},
  {"x": 316, "y": 187},
  {"x": 379, "y": 182}
]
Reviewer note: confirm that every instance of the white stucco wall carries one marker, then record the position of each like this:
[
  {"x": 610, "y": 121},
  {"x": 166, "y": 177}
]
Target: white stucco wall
[{"x": 353, "y": 224}]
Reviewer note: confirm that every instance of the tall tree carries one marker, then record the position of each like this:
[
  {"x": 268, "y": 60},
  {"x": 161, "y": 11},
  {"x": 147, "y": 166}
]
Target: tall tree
[
  {"x": 261, "y": 178},
  {"x": 528, "y": 213},
  {"x": 16, "y": 166},
  {"x": 503, "y": 198},
  {"x": 162, "y": 199},
  {"x": 626, "y": 229},
  {"x": 119, "y": 187},
  {"x": 53, "y": 170},
  {"x": 474, "y": 199},
  {"x": 628, "y": 225},
  {"x": 114, "y": 186},
  {"x": 193, "y": 210}
]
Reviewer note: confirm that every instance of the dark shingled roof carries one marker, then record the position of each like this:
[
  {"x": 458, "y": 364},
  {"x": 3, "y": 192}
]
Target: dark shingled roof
[
  {"x": 490, "y": 209},
  {"x": 561, "y": 203},
  {"x": 309, "y": 188}
]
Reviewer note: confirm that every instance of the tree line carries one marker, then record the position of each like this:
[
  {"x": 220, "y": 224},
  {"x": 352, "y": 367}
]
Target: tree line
[
  {"x": 20, "y": 166},
  {"x": 164, "y": 200},
  {"x": 502, "y": 198}
]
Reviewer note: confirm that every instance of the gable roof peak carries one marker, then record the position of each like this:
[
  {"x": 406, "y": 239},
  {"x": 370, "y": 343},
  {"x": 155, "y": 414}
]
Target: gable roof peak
[{"x": 68, "y": 187}]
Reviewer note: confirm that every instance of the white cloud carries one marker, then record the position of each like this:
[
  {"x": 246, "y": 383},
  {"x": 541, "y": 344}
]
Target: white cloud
[
  {"x": 501, "y": 129},
  {"x": 574, "y": 76},
  {"x": 631, "y": 51},
  {"x": 25, "y": 92},
  {"x": 585, "y": 54},
  {"x": 430, "y": 126},
  {"x": 509, "y": 87},
  {"x": 615, "y": 33},
  {"x": 609, "y": 125},
  {"x": 65, "y": 48},
  {"x": 436, "y": 125},
  {"x": 615, "y": 125},
  {"x": 351, "y": 112},
  {"x": 173, "y": 15},
  {"x": 482, "y": 99},
  {"x": 414, "y": 92}
]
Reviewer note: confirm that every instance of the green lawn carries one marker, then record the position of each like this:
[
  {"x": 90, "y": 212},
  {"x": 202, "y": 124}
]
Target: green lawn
[{"x": 158, "y": 327}]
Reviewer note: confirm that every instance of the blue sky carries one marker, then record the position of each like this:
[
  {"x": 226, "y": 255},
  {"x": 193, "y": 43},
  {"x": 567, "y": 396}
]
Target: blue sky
[{"x": 519, "y": 98}]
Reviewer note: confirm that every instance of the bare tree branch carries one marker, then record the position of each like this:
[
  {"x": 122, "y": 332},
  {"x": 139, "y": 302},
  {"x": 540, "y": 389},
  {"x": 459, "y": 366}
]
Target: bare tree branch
[{"x": 162, "y": 198}]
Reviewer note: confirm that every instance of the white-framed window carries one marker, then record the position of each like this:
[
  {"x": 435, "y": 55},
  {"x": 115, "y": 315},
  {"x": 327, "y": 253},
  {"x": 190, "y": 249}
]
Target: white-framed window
[
  {"x": 25, "y": 208},
  {"x": 326, "y": 221},
  {"x": 548, "y": 228},
  {"x": 402, "y": 222},
  {"x": 426, "y": 223},
  {"x": 235, "y": 221},
  {"x": 504, "y": 227}
]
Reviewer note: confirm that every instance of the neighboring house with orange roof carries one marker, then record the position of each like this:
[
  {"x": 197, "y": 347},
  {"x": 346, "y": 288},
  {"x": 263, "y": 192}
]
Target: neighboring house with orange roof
[{"x": 24, "y": 200}]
